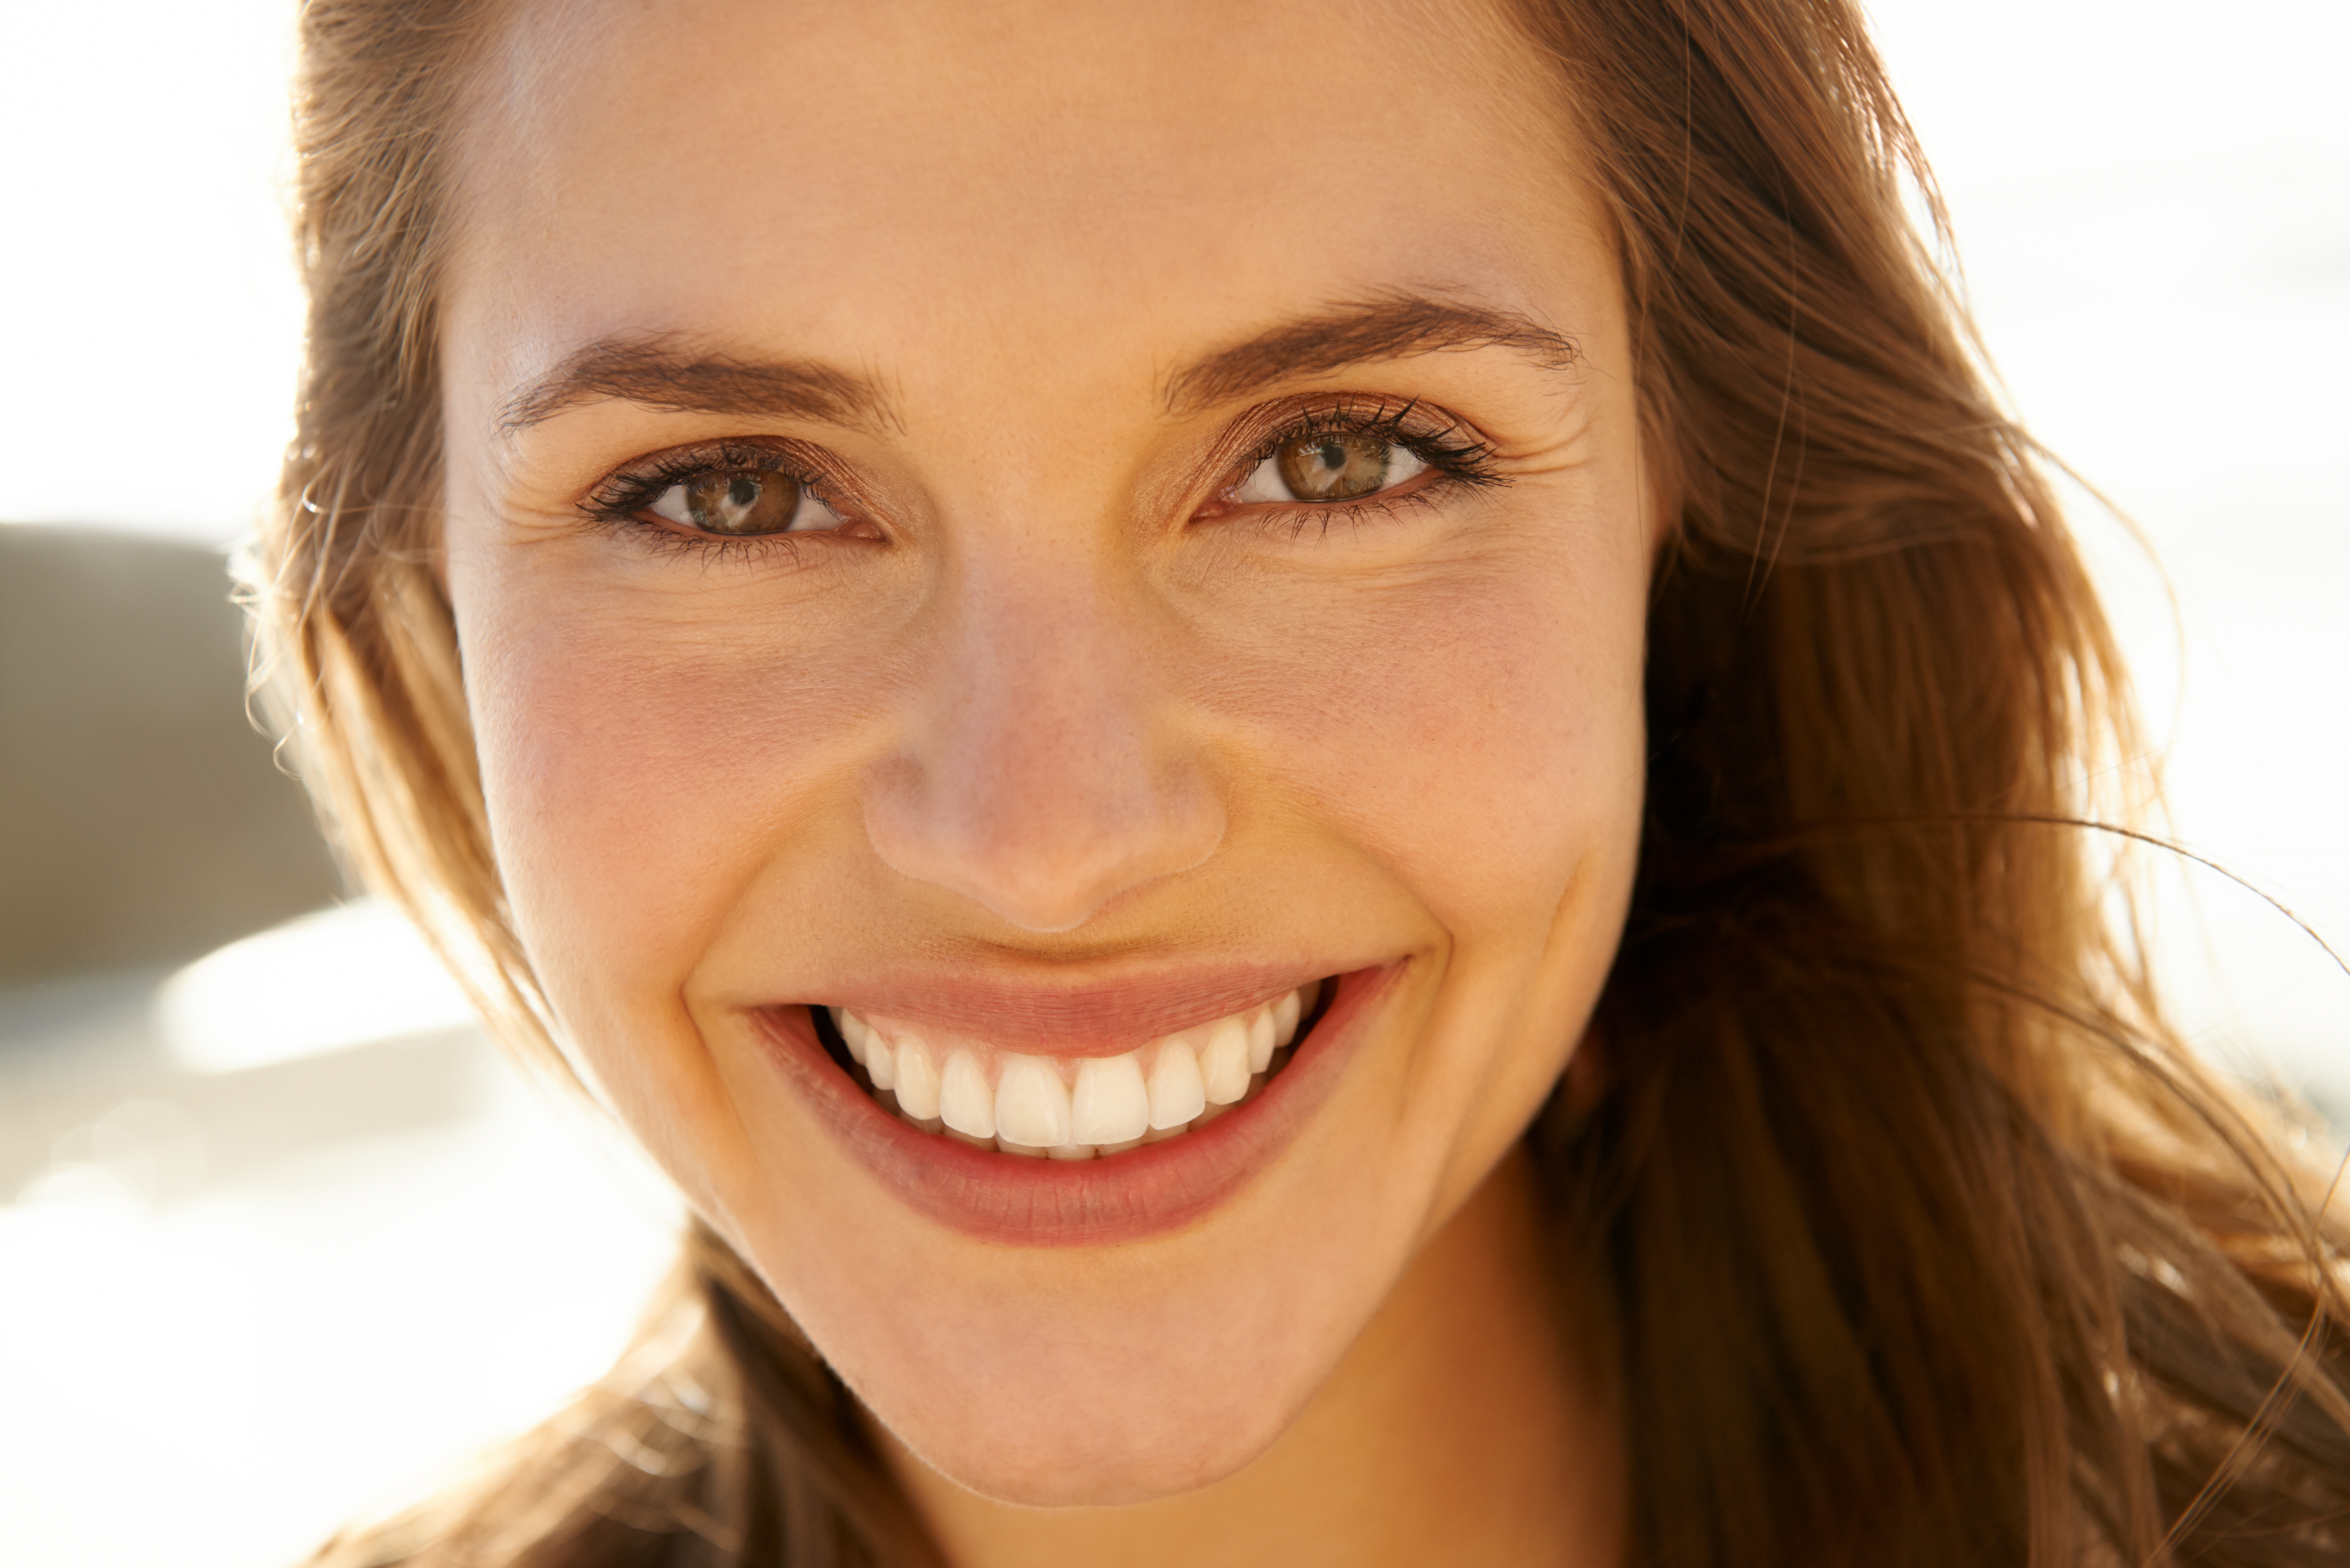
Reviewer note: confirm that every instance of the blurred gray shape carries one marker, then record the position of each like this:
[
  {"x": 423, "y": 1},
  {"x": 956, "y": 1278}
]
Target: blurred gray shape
[
  {"x": 82, "y": 1068},
  {"x": 143, "y": 820}
]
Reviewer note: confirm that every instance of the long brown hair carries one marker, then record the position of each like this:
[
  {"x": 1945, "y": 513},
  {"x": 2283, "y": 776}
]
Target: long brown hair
[{"x": 1926, "y": 1243}]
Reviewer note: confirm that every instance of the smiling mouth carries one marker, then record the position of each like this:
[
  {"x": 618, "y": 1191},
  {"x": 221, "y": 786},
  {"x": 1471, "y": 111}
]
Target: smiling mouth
[{"x": 1069, "y": 1107}]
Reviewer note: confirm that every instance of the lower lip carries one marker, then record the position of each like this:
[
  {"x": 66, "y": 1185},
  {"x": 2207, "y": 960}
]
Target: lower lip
[{"x": 1145, "y": 1192}]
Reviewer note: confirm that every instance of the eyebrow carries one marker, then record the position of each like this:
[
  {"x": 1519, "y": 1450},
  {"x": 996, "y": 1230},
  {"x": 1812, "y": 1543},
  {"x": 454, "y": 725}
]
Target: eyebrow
[
  {"x": 665, "y": 373},
  {"x": 1393, "y": 328}
]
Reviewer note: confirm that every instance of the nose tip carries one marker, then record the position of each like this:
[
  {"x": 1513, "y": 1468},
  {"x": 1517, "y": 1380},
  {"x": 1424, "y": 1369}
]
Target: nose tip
[
  {"x": 1045, "y": 852},
  {"x": 1043, "y": 765}
]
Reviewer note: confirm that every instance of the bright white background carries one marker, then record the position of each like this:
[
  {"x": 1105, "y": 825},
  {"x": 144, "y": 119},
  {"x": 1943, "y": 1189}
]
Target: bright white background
[{"x": 2151, "y": 207}]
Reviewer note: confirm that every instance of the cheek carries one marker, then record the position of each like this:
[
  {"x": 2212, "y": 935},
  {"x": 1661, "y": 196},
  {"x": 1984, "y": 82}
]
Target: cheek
[
  {"x": 1483, "y": 739},
  {"x": 639, "y": 770}
]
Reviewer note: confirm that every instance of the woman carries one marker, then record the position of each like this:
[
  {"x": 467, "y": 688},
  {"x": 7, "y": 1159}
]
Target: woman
[{"x": 1322, "y": 774}]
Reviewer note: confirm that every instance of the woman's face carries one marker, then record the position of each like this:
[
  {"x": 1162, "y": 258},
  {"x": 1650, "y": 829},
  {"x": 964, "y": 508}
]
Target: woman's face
[{"x": 1054, "y": 528}]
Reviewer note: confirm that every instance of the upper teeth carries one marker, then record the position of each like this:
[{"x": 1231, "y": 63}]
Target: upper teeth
[{"x": 1072, "y": 1104}]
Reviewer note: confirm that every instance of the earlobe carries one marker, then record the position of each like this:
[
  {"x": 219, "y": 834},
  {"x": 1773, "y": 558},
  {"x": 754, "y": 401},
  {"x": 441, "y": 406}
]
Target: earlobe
[
  {"x": 436, "y": 554},
  {"x": 1659, "y": 487},
  {"x": 1581, "y": 1088}
]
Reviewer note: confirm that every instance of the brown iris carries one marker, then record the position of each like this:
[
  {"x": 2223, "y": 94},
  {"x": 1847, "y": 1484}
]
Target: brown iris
[
  {"x": 1333, "y": 467},
  {"x": 743, "y": 501}
]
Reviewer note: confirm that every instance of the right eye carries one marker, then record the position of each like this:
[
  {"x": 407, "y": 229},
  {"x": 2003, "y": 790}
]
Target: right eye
[
  {"x": 1336, "y": 465},
  {"x": 742, "y": 503}
]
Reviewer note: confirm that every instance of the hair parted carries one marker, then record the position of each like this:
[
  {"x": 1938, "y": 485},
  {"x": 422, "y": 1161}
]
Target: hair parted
[{"x": 1923, "y": 1241}]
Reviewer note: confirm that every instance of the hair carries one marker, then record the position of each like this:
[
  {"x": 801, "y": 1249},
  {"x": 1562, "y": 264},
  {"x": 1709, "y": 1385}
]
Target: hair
[{"x": 1923, "y": 1241}]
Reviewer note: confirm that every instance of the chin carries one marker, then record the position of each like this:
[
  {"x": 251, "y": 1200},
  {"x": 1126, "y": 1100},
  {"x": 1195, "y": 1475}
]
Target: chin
[
  {"x": 1102, "y": 1453},
  {"x": 1120, "y": 1328}
]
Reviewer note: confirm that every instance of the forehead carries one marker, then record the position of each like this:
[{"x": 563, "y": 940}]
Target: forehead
[{"x": 1075, "y": 177}]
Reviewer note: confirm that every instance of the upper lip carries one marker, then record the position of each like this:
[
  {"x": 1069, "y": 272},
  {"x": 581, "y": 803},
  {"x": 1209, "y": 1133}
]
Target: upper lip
[{"x": 1073, "y": 1016}]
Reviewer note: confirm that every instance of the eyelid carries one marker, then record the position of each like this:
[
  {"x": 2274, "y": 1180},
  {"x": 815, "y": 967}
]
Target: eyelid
[
  {"x": 1456, "y": 453},
  {"x": 657, "y": 471},
  {"x": 1412, "y": 422},
  {"x": 619, "y": 499}
]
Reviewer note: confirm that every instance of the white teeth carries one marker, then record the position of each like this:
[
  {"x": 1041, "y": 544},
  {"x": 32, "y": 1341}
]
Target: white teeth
[
  {"x": 1224, "y": 1062},
  {"x": 881, "y": 1061},
  {"x": 1030, "y": 1106},
  {"x": 1285, "y": 1018},
  {"x": 917, "y": 1077},
  {"x": 1260, "y": 1036},
  {"x": 1195, "y": 1077},
  {"x": 1112, "y": 1105},
  {"x": 965, "y": 1103},
  {"x": 1177, "y": 1094}
]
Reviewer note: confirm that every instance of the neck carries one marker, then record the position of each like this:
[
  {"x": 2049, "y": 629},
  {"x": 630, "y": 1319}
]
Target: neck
[{"x": 1462, "y": 1427}]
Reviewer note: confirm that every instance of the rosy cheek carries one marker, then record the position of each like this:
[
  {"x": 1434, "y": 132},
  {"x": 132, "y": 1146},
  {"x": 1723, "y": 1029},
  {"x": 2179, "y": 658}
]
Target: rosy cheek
[
  {"x": 1480, "y": 742},
  {"x": 638, "y": 781}
]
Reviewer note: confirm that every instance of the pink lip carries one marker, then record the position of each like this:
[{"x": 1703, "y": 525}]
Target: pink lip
[
  {"x": 1091, "y": 1203},
  {"x": 1100, "y": 1019}
]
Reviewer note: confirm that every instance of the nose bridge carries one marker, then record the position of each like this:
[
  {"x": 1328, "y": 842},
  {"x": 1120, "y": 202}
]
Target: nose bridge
[
  {"x": 1047, "y": 657},
  {"x": 1043, "y": 769},
  {"x": 1047, "y": 702}
]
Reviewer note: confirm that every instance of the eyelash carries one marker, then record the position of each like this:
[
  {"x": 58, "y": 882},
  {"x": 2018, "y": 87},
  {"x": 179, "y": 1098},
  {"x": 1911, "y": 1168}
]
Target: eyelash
[
  {"x": 617, "y": 502},
  {"x": 1455, "y": 456}
]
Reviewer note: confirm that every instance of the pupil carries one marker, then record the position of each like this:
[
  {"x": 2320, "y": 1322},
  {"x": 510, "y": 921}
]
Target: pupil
[
  {"x": 1333, "y": 467},
  {"x": 742, "y": 502}
]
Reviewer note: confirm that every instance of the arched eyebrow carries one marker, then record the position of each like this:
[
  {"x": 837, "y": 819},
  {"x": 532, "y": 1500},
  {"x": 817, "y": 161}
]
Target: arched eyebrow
[
  {"x": 1395, "y": 329},
  {"x": 663, "y": 373}
]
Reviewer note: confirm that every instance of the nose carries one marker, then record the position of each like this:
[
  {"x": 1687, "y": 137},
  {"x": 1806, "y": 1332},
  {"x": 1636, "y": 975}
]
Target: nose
[{"x": 1045, "y": 769}]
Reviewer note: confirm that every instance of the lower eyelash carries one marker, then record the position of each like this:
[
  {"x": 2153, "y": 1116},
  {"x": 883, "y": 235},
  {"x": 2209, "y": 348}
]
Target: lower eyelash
[
  {"x": 711, "y": 549},
  {"x": 1322, "y": 515}
]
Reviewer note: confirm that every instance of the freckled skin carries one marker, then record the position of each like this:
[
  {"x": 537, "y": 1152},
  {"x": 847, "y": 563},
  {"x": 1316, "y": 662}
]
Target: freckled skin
[{"x": 1054, "y": 705}]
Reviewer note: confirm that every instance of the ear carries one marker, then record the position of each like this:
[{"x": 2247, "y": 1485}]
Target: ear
[
  {"x": 1581, "y": 1088},
  {"x": 1659, "y": 482}
]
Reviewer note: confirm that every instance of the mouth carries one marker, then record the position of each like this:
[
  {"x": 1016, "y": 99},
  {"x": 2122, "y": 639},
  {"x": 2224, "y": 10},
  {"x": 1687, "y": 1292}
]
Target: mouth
[
  {"x": 1088, "y": 1137},
  {"x": 1068, "y": 1107}
]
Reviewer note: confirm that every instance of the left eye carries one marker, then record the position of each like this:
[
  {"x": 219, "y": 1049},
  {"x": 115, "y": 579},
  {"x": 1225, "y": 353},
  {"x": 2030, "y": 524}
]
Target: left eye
[
  {"x": 741, "y": 502},
  {"x": 1332, "y": 467}
]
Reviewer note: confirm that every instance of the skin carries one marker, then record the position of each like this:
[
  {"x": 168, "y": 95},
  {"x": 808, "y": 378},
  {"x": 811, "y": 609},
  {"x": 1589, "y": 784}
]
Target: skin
[{"x": 1049, "y": 704}]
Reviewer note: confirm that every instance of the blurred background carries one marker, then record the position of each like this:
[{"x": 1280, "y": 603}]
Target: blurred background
[{"x": 281, "y": 1241}]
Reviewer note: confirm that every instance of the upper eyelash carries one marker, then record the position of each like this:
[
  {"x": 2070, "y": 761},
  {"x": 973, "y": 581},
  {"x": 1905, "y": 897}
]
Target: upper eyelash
[
  {"x": 1452, "y": 449},
  {"x": 620, "y": 497}
]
